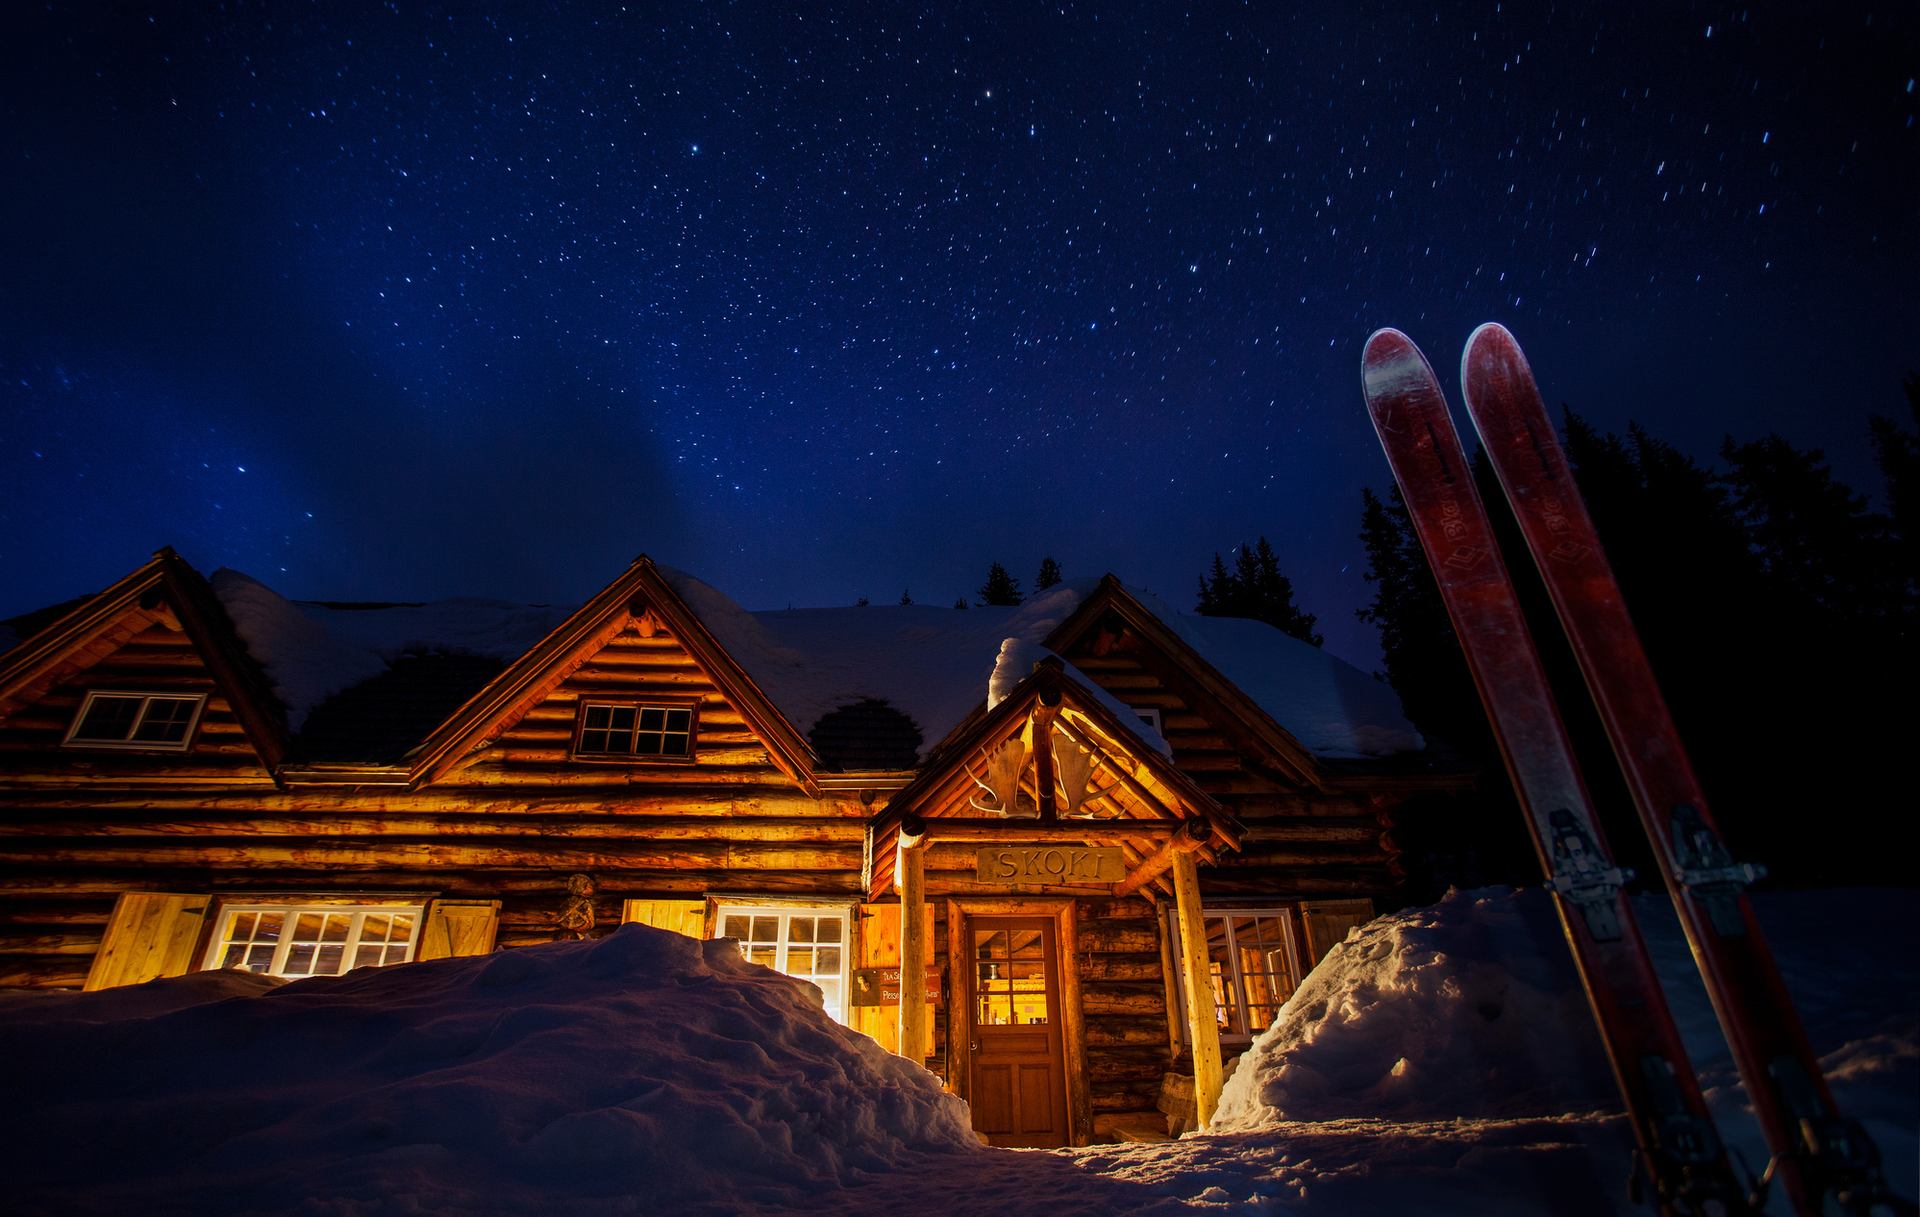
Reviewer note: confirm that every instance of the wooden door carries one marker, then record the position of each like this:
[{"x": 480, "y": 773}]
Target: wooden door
[{"x": 1015, "y": 1064}]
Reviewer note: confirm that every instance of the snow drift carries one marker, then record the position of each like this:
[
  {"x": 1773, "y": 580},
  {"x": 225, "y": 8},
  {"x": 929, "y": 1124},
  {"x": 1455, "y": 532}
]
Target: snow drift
[
  {"x": 1465, "y": 1008},
  {"x": 642, "y": 1071}
]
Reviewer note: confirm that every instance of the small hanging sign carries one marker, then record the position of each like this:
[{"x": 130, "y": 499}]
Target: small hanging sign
[
  {"x": 1066, "y": 864},
  {"x": 881, "y": 986}
]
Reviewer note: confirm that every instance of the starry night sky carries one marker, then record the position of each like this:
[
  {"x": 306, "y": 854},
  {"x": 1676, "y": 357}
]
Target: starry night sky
[{"x": 821, "y": 300}]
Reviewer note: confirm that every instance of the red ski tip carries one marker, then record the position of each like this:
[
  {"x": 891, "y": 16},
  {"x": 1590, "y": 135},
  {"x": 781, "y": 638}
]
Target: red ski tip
[
  {"x": 1496, "y": 352},
  {"x": 1392, "y": 365}
]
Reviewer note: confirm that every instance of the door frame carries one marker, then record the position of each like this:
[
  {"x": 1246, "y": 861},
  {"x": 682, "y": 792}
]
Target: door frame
[{"x": 1073, "y": 1030}]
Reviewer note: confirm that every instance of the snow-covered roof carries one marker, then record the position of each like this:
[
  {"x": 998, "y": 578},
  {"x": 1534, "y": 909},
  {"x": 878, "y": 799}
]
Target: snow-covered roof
[{"x": 934, "y": 665}]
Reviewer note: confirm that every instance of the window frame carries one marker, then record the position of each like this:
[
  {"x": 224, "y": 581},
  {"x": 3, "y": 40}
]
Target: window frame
[
  {"x": 1151, "y": 716},
  {"x": 786, "y": 912},
  {"x": 690, "y": 704},
  {"x": 1236, "y": 978},
  {"x": 73, "y": 738},
  {"x": 225, "y": 911}
]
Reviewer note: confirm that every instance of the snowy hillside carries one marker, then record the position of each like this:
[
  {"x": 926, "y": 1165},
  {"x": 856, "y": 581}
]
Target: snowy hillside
[{"x": 1439, "y": 1063}]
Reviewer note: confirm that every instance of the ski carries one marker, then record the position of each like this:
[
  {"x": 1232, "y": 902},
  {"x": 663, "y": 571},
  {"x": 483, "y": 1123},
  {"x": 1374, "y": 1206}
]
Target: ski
[
  {"x": 1678, "y": 1149},
  {"x": 1818, "y": 1156}
]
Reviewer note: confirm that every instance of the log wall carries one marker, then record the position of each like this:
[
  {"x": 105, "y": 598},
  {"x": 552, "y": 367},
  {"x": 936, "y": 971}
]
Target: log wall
[{"x": 1300, "y": 842}]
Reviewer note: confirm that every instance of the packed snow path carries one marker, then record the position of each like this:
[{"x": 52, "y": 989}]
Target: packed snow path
[{"x": 649, "y": 1073}]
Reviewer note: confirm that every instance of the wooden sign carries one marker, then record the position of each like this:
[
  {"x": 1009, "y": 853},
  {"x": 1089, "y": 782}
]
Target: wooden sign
[
  {"x": 1085, "y": 865},
  {"x": 881, "y": 987}
]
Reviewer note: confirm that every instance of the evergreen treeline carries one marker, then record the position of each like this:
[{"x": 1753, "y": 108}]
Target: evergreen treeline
[
  {"x": 1778, "y": 610},
  {"x": 1255, "y": 588}
]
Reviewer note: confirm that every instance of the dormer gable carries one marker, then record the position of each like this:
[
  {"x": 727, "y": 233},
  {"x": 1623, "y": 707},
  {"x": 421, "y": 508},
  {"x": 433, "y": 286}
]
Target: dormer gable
[
  {"x": 1052, "y": 759},
  {"x": 143, "y": 681},
  {"x": 1127, "y": 649},
  {"x": 631, "y": 680}
]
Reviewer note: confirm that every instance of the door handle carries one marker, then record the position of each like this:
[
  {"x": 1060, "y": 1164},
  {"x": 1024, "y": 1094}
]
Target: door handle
[{"x": 973, "y": 1045}]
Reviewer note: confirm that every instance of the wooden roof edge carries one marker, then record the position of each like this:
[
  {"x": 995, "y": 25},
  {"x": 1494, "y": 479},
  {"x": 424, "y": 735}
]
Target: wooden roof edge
[
  {"x": 206, "y": 623},
  {"x": 249, "y": 690},
  {"x": 641, "y": 581},
  {"x": 51, "y": 641},
  {"x": 967, "y": 734},
  {"x": 1112, "y": 594},
  {"x": 447, "y": 743}
]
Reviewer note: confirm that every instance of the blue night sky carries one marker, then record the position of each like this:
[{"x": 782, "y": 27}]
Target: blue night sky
[{"x": 823, "y": 300}]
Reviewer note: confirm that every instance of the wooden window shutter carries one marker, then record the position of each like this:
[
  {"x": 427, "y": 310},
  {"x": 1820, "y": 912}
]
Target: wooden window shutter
[
  {"x": 1327, "y": 922},
  {"x": 458, "y": 927},
  {"x": 151, "y": 934},
  {"x": 687, "y": 917},
  {"x": 877, "y": 945}
]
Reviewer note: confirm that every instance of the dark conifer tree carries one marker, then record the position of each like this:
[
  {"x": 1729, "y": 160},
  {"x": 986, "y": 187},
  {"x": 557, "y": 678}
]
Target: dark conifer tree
[
  {"x": 1822, "y": 551},
  {"x": 1000, "y": 588},
  {"x": 906, "y": 596},
  {"x": 1255, "y": 588},
  {"x": 1049, "y": 575},
  {"x": 1417, "y": 644},
  {"x": 960, "y": 602},
  {"x": 1898, "y": 453}
]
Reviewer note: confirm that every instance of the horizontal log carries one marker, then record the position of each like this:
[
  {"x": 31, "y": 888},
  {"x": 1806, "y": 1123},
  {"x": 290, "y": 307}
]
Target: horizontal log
[
  {"x": 511, "y": 751},
  {"x": 781, "y": 799},
  {"x": 384, "y": 826},
  {"x": 1296, "y": 884},
  {"x": 1113, "y": 1031},
  {"x": 486, "y": 771},
  {"x": 1126, "y": 1064},
  {"x": 1143, "y": 1000},
  {"x": 1132, "y": 908},
  {"x": 108, "y": 777},
  {"x": 52, "y": 944},
  {"x": 498, "y": 882},
  {"x": 43, "y": 971},
  {"x": 1117, "y": 937},
  {"x": 380, "y": 852},
  {"x": 81, "y": 913},
  {"x": 634, "y": 681},
  {"x": 1096, "y": 966},
  {"x": 1111, "y": 1096}
]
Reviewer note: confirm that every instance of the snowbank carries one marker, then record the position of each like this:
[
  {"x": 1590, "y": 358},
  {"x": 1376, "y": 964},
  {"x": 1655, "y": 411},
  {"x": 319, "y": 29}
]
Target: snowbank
[
  {"x": 1466, "y": 1008},
  {"x": 644, "y": 1072}
]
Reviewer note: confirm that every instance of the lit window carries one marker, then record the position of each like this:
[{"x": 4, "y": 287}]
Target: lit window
[
  {"x": 628, "y": 730},
  {"x": 1254, "y": 966},
  {"x": 313, "y": 940},
  {"x": 806, "y": 943},
  {"x": 136, "y": 720}
]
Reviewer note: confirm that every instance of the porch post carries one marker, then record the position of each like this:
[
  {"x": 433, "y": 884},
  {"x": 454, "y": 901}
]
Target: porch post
[
  {"x": 1204, "y": 1030},
  {"x": 911, "y": 868}
]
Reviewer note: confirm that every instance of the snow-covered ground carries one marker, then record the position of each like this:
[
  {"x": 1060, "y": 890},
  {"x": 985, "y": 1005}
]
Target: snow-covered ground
[{"x": 1438, "y": 1062}]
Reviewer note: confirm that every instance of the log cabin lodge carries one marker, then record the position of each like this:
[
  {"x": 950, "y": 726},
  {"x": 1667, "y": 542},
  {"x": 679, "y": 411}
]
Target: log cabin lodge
[{"x": 1109, "y": 836}]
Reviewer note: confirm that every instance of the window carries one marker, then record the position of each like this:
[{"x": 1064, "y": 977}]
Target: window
[
  {"x": 806, "y": 943},
  {"x": 136, "y": 720},
  {"x": 610, "y": 729},
  {"x": 1150, "y": 715},
  {"x": 1255, "y": 966},
  {"x": 313, "y": 940}
]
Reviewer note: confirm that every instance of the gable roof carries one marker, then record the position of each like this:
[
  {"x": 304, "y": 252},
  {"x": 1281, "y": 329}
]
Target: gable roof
[
  {"x": 1142, "y": 786},
  {"x": 164, "y": 588},
  {"x": 1304, "y": 705},
  {"x": 638, "y": 592},
  {"x": 838, "y": 694}
]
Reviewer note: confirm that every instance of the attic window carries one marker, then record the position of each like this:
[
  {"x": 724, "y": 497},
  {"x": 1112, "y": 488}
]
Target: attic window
[
  {"x": 1150, "y": 715},
  {"x": 638, "y": 731},
  {"x": 160, "y": 721}
]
